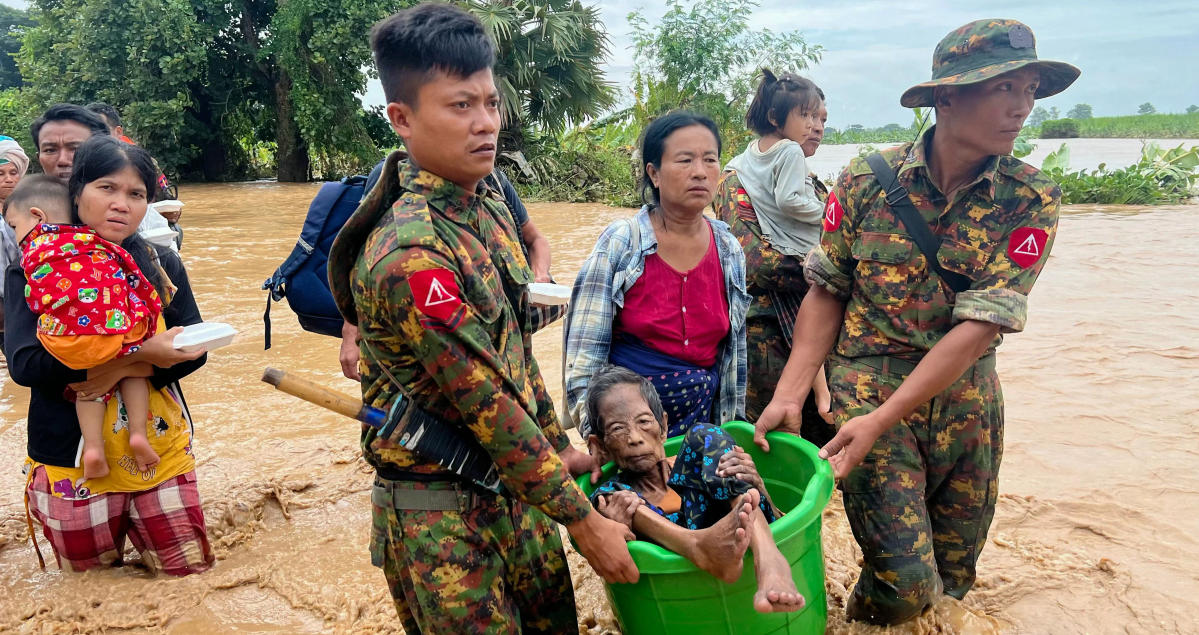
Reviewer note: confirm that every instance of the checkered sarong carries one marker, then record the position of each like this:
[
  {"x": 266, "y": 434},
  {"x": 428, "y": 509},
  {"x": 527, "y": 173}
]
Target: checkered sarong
[{"x": 165, "y": 524}]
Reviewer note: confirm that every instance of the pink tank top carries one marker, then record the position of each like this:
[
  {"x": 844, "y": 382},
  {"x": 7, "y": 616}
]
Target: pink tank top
[{"x": 682, "y": 314}]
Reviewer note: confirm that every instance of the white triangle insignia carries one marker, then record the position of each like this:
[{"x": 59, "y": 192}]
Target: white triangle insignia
[
  {"x": 1029, "y": 247},
  {"x": 829, "y": 211},
  {"x": 438, "y": 294}
]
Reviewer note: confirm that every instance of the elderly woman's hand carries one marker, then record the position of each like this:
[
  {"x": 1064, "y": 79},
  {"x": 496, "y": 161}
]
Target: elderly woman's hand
[
  {"x": 620, "y": 506},
  {"x": 738, "y": 464},
  {"x": 160, "y": 350}
]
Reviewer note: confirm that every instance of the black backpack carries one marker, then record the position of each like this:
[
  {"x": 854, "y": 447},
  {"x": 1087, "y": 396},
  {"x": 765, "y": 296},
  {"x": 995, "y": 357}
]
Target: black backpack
[{"x": 304, "y": 277}]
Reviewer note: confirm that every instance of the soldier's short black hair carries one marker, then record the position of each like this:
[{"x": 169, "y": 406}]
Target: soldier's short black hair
[
  {"x": 777, "y": 97},
  {"x": 41, "y": 191},
  {"x": 109, "y": 113},
  {"x": 67, "y": 112},
  {"x": 607, "y": 378},
  {"x": 412, "y": 45},
  {"x": 653, "y": 144}
]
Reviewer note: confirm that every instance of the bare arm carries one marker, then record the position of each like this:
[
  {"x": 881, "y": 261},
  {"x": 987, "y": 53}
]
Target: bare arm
[
  {"x": 539, "y": 251},
  {"x": 816, "y": 329},
  {"x": 940, "y": 367}
]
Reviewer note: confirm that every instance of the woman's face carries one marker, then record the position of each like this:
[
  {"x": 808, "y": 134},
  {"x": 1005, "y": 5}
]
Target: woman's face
[
  {"x": 114, "y": 205},
  {"x": 690, "y": 166},
  {"x": 816, "y": 135},
  {"x": 632, "y": 436},
  {"x": 8, "y": 179}
]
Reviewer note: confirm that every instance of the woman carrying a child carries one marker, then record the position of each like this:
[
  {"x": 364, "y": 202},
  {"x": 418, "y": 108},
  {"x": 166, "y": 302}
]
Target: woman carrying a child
[
  {"x": 87, "y": 519},
  {"x": 663, "y": 293},
  {"x": 774, "y": 205}
]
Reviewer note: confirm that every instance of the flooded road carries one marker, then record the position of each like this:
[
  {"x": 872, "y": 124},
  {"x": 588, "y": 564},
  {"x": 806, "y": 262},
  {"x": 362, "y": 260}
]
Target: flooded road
[{"x": 1097, "y": 528}]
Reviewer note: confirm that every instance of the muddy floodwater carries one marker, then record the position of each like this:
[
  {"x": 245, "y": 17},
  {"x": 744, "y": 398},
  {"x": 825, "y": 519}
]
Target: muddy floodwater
[{"x": 1097, "y": 527}]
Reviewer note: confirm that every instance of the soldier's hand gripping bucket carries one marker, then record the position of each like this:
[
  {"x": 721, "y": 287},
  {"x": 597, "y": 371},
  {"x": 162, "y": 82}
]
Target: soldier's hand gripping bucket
[{"x": 674, "y": 596}]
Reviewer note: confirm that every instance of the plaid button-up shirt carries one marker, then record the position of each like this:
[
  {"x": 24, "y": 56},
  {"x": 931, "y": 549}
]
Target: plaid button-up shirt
[{"x": 609, "y": 272}]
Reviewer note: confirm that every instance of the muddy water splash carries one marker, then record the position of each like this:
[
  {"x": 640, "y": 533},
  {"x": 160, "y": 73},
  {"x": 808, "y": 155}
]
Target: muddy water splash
[{"x": 1095, "y": 530}]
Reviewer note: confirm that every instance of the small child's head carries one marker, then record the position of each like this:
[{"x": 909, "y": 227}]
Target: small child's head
[
  {"x": 37, "y": 199},
  {"x": 435, "y": 62},
  {"x": 628, "y": 425},
  {"x": 786, "y": 105}
]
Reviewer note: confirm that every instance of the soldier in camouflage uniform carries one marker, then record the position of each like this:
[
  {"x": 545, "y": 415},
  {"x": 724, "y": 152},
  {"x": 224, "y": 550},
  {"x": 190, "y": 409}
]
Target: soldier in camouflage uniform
[
  {"x": 912, "y": 373},
  {"x": 430, "y": 270},
  {"x": 774, "y": 280}
]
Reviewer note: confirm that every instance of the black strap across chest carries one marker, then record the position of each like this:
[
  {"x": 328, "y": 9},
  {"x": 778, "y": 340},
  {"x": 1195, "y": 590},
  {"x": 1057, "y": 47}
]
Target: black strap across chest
[{"x": 901, "y": 204}]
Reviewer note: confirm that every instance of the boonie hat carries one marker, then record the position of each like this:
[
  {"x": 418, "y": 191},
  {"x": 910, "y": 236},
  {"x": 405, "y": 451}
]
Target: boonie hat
[{"x": 984, "y": 49}]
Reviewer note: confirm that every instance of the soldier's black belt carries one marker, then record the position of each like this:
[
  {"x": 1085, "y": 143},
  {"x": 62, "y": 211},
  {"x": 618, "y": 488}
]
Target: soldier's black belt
[
  {"x": 899, "y": 366},
  {"x": 410, "y": 496}
]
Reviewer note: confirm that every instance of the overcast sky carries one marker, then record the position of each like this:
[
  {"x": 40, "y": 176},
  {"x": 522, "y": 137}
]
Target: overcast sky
[{"x": 1129, "y": 52}]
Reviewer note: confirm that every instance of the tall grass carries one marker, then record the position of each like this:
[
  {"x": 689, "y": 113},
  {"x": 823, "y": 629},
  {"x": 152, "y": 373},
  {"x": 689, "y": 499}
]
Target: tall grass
[{"x": 1156, "y": 126}]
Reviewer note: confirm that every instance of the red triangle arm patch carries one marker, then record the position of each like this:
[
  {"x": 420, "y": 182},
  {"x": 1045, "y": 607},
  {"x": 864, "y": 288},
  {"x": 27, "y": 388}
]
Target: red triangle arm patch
[
  {"x": 435, "y": 293},
  {"x": 1026, "y": 245},
  {"x": 833, "y": 212}
]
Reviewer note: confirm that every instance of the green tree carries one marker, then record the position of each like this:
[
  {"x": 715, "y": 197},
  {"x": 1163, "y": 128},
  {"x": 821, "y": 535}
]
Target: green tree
[
  {"x": 703, "y": 55},
  {"x": 214, "y": 88},
  {"x": 141, "y": 56},
  {"x": 548, "y": 71},
  {"x": 1146, "y": 109},
  {"x": 1192, "y": 109},
  {"x": 1054, "y": 113},
  {"x": 1039, "y": 116},
  {"x": 13, "y": 23},
  {"x": 1080, "y": 111}
]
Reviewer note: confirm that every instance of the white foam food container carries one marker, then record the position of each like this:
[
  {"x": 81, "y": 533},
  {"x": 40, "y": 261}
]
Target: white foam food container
[
  {"x": 204, "y": 336},
  {"x": 161, "y": 236},
  {"x": 169, "y": 205},
  {"x": 549, "y": 294}
]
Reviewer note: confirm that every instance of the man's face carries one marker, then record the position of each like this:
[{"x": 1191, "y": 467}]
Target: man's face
[
  {"x": 56, "y": 145},
  {"x": 987, "y": 117},
  {"x": 453, "y": 128}
]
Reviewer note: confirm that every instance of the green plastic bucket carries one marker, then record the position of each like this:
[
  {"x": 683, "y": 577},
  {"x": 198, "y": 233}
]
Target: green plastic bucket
[{"x": 674, "y": 596}]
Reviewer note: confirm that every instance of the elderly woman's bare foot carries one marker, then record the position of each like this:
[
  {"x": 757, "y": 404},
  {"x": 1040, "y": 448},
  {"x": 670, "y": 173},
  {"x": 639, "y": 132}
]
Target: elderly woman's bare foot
[
  {"x": 720, "y": 549},
  {"x": 776, "y": 590}
]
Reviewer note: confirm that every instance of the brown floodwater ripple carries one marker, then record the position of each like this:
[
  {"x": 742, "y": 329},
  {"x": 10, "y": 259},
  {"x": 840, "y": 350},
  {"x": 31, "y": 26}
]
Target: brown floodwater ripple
[{"x": 1095, "y": 532}]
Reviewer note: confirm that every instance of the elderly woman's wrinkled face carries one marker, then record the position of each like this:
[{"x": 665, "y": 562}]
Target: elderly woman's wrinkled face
[
  {"x": 690, "y": 167},
  {"x": 114, "y": 205},
  {"x": 8, "y": 179},
  {"x": 632, "y": 436}
]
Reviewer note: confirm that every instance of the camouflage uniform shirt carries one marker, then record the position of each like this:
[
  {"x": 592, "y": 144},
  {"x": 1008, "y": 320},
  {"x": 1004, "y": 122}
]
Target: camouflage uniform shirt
[
  {"x": 998, "y": 231},
  {"x": 435, "y": 279}
]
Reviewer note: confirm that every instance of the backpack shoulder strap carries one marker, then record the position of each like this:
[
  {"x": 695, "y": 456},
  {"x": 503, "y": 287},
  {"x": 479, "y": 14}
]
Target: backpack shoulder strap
[{"x": 901, "y": 203}]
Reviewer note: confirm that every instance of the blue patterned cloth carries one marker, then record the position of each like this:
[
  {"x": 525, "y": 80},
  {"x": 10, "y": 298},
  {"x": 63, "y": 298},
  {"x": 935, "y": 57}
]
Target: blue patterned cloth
[
  {"x": 686, "y": 390},
  {"x": 694, "y": 479}
]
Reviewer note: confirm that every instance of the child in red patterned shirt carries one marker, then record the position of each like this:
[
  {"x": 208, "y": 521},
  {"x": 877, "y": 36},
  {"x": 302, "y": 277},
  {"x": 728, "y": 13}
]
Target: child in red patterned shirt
[{"x": 93, "y": 306}]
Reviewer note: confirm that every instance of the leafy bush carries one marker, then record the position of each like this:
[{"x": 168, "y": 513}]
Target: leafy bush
[
  {"x": 1059, "y": 129},
  {"x": 1160, "y": 176},
  {"x": 581, "y": 165}
]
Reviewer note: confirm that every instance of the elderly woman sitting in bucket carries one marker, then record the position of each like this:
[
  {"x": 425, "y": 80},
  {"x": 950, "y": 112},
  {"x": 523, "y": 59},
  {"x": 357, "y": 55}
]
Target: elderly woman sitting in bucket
[{"x": 707, "y": 504}]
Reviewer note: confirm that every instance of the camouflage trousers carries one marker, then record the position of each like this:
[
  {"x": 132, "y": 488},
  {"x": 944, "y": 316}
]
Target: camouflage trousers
[
  {"x": 766, "y": 355},
  {"x": 497, "y": 567},
  {"x": 922, "y": 501}
]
